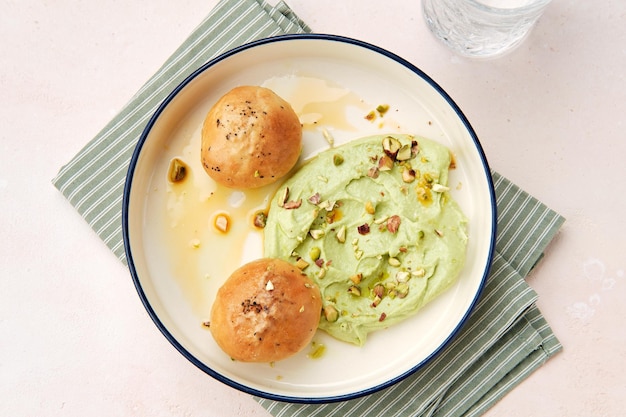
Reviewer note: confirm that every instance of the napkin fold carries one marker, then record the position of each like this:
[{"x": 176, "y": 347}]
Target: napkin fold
[{"x": 505, "y": 339}]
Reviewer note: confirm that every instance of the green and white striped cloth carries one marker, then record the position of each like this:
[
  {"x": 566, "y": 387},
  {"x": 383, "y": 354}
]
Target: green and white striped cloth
[{"x": 506, "y": 337}]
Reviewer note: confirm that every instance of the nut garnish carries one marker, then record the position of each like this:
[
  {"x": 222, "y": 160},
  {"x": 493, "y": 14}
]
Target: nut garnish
[
  {"x": 393, "y": 223},
  {"x": 301, "y": 264},
  {"x": 391, "y": 146},
  {"x": 337, "y": 159},
  {"x": 393, "y": 261},
  {"x": 284, "y": 195},
  {"x": 373, "y": 172},
  {"x": 316, "y": 234},
  {"x": 221, "y": 223},
  {"x": 177, "y": 171},
  {"x": 314, "y": 253},
  {"x": 330, "y": 313},
  {"x": 315, "y": 199},
  {"x": 356, "y": 278},
  {"x": 369, "y": 207},
  {"x": 363, "y": 229},
  {"x": 385, "y": 163},
  {"x": 290, "y": 205},
  {"x": 260, "y": 219},
  {"x": 341, "y": 234},
  {"x": 269, "y": 286},
  {"x": 354, "y": 290}
]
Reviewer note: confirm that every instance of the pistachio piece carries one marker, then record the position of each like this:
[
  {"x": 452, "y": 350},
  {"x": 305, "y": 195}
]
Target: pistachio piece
[
  {"x": 385, "y": 163},
  {"x": 315, "y": 199},
  {"x": 376, "y": 301},
  {"x": 330, "y": 313},
  {"x": 382, "y": 317},
  {"x": 269, "y": 286},
  {"x": 378, "y": 290},
  {"x": 404, "y": 153},
  {"x": 284, "y": 195},
  {"x": 177, "y": 171},
  {"x": 356, "y": 278},
  {"x": 391, "y": 146},
  {"x": 260, "y": 219},
  {"x": 402, "y": 290},
  {"x": 354, "y": 290},
  {"x": 393, "y": 223},
  {"x": 402, "y": 276},
  {"x": 363, "y": 229},
  {"x": 370, "y": 116},
  {"x": 369, "y": 207},
  {"x": 341, "y": 234},
  {"x": 414, "y": 148},
  {"x": 314, "y": 253},
  {"x": 301, "y": 264},
  {"x": 440, "y": 188},
  {"x": 337, "y": 159},
  {"x": 420, "y": 272},
  {"x": 382, "y": 109},
  {"x": 316, "y": 234},
  {"x": 290, "y": 205},
  {"x": 373, "y": 172},
  {"x": 221, "y": 223},
  {"x": 393, "y": 261},
  {"x": 408, "y": 175}
]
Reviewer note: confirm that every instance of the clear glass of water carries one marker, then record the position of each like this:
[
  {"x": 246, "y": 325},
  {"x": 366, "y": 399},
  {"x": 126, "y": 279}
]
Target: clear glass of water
[{"x": 482, "y": 28}]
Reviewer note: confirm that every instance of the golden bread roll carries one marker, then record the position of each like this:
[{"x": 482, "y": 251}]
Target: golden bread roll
[
  {"x": 250, "y": 138},
  {"x": 266, "y": 311}
]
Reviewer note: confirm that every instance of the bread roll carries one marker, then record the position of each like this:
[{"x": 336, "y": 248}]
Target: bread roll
[
  {"x": 266, "y": 311},
  {"x": 250, "y": 138}
]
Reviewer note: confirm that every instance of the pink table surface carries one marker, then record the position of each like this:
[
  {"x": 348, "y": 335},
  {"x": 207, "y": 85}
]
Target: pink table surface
[{"x": 76, "y": 341}]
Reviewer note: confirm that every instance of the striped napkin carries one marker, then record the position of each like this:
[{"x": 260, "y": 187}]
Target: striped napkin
[{"x": 506, "y": 337}]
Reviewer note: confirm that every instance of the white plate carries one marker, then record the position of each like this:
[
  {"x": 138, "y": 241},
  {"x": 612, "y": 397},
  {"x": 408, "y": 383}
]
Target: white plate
[{"x": 371, "y": 76}]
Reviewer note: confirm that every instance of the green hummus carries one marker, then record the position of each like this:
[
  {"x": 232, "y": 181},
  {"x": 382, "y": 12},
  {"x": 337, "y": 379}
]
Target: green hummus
[{"x": 372, "y": 222}]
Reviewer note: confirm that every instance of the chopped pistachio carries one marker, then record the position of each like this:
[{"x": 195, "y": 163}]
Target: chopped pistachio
[
  {"x": 331, "y": 314},
  {"x": 177, "y": 171},
  {"x": 269, "y": 286},
  {"x": 391, "y": 146},
  {"x": 382, "y": 109},
  {"x": 356, "y": 278},
  {"x": 440, "y": 188},
  {"x": 378, "y": 290},
  {"x": 404, "y": 153},
  {"x": 314, "y": 199},
  {"x": 329, "y": 138},
  {"x": 402, "y": 276},
  {"x": 420, "y": 272},
  {"x": 314, "y": 253},
  {"x": 381, "y": 220},
  {"x": 385, "y": 163},
  {"x": 221, "y": 223},
  {"x": 284, "y": 195},
  {"x": 393, "y": 261},
  {"x": 337, "y": 159},
  {"x": 316, "y": 233},
  {"x": 341, "y": 234},
  {"x": 301, "y": 264},
  {"x": 358, "y": 254},
  {"x": 354, "y": 290},
  {"x": 260, "y": 219},
  {"x": 376, "y": 301},
  {"x": 439, "y": 233},
  {"x": 393, "y": 224},
  {"x": 370, "y": 116},
  {"x": 408, "y": 175},
  {"x": 373, "y": 172},
  {"x": 369, "y": 207}
]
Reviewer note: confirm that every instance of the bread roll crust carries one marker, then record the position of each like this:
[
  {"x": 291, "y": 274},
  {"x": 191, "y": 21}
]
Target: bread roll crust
[
  {"x": 266, "y": 311},
  {"x": 250, "y": 138}
]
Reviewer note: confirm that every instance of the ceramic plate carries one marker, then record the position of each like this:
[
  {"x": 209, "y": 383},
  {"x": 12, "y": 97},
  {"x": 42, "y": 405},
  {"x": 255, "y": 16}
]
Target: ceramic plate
[{"x": 178, "y": 258}]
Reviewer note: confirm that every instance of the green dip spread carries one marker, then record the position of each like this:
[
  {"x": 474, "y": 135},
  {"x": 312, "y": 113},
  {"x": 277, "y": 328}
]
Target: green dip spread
[{"x": 372, "y": 222}]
